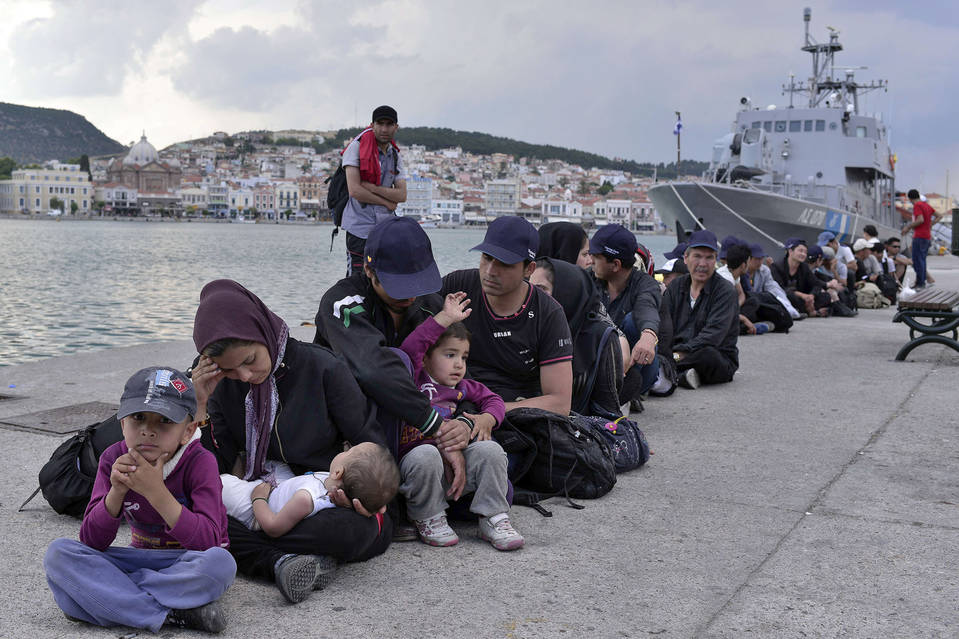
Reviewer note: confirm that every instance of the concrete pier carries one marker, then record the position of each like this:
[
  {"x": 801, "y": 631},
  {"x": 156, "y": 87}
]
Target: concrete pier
[{"x": 815, "y": 496}]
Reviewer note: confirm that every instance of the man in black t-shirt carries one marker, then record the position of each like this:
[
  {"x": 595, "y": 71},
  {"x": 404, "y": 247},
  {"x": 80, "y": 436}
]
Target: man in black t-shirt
[{"x": 521, "y": 346}]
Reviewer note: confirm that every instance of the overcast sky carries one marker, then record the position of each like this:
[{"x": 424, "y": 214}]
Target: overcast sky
[{"x": 599, "y": 75}]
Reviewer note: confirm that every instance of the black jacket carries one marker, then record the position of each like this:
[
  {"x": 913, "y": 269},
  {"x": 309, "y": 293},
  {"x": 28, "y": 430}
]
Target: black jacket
[
  {"x": 354, "y": 322},
  {"x": 641, "y": 297},
  {"x": 713, "y": 321},
  {"x": 806, "y": 281},
  {"x": 321, "y": 406}
]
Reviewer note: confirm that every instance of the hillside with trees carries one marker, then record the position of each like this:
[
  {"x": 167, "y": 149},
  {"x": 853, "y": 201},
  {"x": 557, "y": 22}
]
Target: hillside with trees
[
  {"x": 485, "y": 144},
  {"x": 32, "y": 134}
]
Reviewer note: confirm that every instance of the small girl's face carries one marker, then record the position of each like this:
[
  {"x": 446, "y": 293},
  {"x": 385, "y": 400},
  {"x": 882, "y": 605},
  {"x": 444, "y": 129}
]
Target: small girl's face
[{"x": 447, "y": 362}]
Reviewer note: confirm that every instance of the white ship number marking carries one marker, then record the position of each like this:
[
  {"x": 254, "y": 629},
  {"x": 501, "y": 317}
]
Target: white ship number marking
[{"x": 813, "y": 217}]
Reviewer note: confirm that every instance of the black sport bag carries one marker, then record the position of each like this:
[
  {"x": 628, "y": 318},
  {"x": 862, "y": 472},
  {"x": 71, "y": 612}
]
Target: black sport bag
[
  {"x": 623, "y": 435},
  {"x": 337, "y": 196},
  {"x": 66, "y": 480},
  {"x": 570, "y": 460}
]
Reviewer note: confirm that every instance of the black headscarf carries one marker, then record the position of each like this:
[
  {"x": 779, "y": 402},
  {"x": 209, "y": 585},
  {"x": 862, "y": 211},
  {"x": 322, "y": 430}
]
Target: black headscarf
[
  {"x": 561, "y": 240},
  {"x": 575, "y": 291}
]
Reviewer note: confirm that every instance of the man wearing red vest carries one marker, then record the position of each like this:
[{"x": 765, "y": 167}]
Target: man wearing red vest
[{"x": 376, "y": 181}]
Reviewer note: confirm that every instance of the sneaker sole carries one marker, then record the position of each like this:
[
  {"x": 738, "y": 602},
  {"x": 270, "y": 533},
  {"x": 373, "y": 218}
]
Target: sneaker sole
[
  {"x": 325, "y": 571},
  {"x": 692, "y": 378},
  {"x": 514, "y": 544},
  {"x": 296, "y": 578},
  {"x": 440, "y": 544}
]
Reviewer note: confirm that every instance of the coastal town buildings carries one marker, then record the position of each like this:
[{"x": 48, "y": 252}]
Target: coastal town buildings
[{"x": 267, "y": 175}]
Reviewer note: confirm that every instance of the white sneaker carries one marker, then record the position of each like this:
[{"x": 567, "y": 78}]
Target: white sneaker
[
  {"x": 436, "y": 531},
  {"x": 501, "y": 535},
  {"x": 689, "y": 379}
]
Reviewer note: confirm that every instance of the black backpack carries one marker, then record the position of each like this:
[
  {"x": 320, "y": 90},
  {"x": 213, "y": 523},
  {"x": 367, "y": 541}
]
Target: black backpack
[
  {"x": 66, "y": 480},
  {"x": 337, "y": 196},
  {"x": 625, "y": 439},
  {"x": 570, "y": 461}
]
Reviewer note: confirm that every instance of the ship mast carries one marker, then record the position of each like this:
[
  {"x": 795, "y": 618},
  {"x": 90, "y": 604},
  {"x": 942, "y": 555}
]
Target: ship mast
[{"x": 823, "y": 87}]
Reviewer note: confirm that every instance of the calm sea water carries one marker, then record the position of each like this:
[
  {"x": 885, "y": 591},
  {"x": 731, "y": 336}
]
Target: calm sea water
[{"x": 74, "y": 286}]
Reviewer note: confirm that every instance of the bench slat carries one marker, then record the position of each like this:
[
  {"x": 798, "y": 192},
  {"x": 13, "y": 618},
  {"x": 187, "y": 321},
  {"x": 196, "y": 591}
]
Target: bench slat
[{"x": 932, "y": 300}]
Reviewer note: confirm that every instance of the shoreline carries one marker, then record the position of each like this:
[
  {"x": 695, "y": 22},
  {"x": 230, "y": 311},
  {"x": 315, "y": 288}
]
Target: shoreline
[{"x": 814, "y": 494}]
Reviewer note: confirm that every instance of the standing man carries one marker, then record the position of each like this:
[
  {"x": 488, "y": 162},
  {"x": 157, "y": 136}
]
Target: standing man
[
  {"x": 521, "y": 347},
  {"x": 376, "y": 182},
  {"x": 923, "y": 217},
  {"x": 705, "y": 314}
]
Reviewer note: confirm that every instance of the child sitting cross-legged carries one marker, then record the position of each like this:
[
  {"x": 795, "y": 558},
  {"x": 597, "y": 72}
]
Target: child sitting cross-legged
[
  {"x": 366, "y": 472},
  {"x": 166, "y": 485},
  {"x": 438, "y": 349}
]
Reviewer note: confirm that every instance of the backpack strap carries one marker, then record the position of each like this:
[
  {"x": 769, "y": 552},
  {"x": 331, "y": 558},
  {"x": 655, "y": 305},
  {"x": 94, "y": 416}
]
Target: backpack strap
[
  {"x": 29, "y": 499},
  {"x": 591, "y": 380}
]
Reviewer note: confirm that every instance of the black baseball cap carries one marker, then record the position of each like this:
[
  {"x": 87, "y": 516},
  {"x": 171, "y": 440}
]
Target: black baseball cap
[
  {"x": 384, "y": 113},
  {"x": 161, "y": 390},
  {"x": 510, "y": 239},
  {"x": 614, "y": 241},
  {"x": 401, "y": 254}
]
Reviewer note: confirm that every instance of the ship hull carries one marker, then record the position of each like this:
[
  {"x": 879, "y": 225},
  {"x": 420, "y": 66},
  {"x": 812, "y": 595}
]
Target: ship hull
[{"x": 754, "y": 216}]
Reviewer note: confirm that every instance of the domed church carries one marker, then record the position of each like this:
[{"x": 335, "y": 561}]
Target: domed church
[{"x": 143, "y": 170}]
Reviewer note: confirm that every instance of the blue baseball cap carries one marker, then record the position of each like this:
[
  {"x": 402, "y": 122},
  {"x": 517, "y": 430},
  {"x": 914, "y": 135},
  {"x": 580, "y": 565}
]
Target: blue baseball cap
[
  {"x": 756, "y": 250},
  {"x": 825, "y": 238},
  {"x": 402, "y": 256},
  {"x": 615, "y": 242},
  {"x": 703, "y": 238},
  {"x": 678, "y": 251},
  {"x": 510, "y": 239},
  {"x": 729, "y": 240},
  {"x": 793, "y": 242},
  {"x": 815, "y": 251}
]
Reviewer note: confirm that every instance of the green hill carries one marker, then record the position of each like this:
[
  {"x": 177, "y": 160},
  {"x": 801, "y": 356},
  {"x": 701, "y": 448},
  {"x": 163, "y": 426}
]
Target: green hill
[
  {"x": 485, "y": 144},
  {"x": 32, "y": 134}
]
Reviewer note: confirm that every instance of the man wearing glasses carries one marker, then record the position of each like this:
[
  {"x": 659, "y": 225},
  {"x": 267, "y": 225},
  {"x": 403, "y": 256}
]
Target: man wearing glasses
[{"x": 893, "y": 261}]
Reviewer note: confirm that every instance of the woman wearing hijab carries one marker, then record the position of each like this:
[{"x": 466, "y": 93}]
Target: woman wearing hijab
[
  {"x": 573, "y": 288},
  {"x": 565, "y": 241},
  {"x": 269, "y": 397}
]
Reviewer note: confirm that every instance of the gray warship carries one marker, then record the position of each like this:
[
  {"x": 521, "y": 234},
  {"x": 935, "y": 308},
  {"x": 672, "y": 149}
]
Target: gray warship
[{"x": 794, "y": 171}]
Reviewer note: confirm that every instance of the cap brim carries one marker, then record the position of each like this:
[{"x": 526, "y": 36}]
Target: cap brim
[
  {"x": 403, "y": 286},
  {"x": 709, "y": 246},
  {"x": 504, "y": 256},
  {"x": 136, "y": 405}
]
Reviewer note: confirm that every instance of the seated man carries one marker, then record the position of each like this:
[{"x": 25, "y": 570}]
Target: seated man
[
  {"x": 633, "y": 301},
  {"x": 732, "y": 271},
  {"x": 894, "y": 261},
  {"x": 760, "y": 280},
  {"x": 845, "y": 260},
  {"x": 704, "y": 310},
  {"x": 521, "y": 347},
  {"x": 365, "y": 317},
  {"x": 867, "y": 268}
]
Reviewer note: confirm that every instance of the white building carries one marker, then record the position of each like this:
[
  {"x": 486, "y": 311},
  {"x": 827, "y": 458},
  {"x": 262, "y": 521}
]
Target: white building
[
  {"x": 562, "y": 211},
  {"x": 32, "y": 190},
  {"x": 447, "y": 212},
  {"x": 419, "y": 198}
]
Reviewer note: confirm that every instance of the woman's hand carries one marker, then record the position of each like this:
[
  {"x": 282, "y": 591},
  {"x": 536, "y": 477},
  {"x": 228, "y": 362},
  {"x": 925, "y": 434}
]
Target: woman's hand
[
  {"x": 206, "y": 375},
  {"x": 455, "y": 471},
  {"x": 263, "y": 489}
]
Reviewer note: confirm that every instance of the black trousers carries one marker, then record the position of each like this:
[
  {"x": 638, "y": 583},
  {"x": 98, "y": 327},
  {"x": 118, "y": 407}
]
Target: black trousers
[
  {"x": 712, "y": 366},
  {"x": 339, "y": 532},
  {"x": 354, "y": 253}
]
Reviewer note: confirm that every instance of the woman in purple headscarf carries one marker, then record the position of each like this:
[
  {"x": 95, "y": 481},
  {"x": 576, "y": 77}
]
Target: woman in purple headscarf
[{"x": 271, "y": 397}]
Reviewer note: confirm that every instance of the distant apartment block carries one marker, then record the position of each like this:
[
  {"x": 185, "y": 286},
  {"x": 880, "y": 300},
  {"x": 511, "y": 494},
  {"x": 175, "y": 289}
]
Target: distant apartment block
[
  {"x": 419, "y": 198},
  {"x": 33, "y": 190},
  {"x": 502, "y": 197}
]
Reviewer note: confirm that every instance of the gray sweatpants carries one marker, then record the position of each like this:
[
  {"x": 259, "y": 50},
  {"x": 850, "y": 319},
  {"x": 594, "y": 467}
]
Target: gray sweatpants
[{"x": 424, "y": 485}]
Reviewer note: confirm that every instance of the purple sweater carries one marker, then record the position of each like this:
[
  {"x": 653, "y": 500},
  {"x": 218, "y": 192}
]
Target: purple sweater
[
  {"x": 194, "y": 482},
  {"x": 443, "y": 398}
]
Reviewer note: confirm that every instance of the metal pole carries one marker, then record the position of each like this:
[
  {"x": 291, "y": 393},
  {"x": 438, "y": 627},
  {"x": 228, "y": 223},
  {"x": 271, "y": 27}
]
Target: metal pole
[{"x": 679, "y": 134}]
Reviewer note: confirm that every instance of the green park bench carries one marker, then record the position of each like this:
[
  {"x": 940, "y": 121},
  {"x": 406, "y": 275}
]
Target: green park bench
[{"x": 941, "y": 308}]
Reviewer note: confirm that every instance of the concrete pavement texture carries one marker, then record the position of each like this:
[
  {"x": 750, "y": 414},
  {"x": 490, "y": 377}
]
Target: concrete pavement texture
[{"x": 815, "y": 496}]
